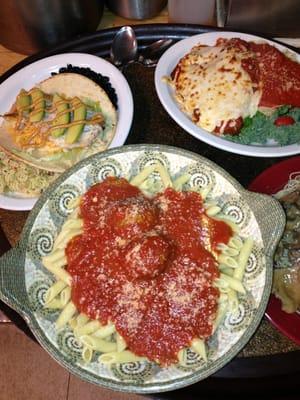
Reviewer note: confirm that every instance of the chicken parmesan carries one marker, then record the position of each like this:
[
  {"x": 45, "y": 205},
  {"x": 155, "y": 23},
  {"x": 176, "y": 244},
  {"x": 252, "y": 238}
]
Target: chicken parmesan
[{"x": 221, "y": 86}]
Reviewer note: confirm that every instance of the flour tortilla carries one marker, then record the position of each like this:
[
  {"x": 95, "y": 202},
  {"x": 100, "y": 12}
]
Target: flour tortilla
[{"x": 68, "y": 85}]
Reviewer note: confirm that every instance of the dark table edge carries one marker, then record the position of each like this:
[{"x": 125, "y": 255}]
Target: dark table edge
[{"x": 99, "y": 42}]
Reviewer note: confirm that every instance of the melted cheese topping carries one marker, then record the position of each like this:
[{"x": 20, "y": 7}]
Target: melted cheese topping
[{"x": 212, "y": 87}]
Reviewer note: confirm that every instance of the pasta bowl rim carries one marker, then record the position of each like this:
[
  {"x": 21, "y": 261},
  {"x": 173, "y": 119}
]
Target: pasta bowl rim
[{"x": 20, "y": 301}]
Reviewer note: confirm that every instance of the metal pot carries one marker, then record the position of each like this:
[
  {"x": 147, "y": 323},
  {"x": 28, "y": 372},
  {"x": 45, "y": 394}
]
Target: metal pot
[
  {"x": 136, "y": 9},
  {"x": 27, "y": 26}
]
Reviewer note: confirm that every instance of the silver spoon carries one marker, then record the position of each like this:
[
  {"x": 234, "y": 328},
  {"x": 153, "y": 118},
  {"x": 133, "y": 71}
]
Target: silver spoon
[{"x": 124, "y": 47}]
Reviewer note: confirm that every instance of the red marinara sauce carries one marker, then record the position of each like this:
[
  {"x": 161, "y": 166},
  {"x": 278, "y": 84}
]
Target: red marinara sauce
[
  {"x": 148, "y": 265},
  {"x": 277, "y": 75}
]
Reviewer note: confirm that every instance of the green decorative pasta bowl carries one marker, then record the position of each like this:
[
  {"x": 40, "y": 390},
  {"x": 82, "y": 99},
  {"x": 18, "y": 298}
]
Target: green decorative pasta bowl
[{"x": 145, "y": 268}]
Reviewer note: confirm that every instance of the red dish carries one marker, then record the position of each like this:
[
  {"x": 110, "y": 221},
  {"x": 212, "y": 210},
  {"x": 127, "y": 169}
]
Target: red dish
[{"x": 271, "y": 181}]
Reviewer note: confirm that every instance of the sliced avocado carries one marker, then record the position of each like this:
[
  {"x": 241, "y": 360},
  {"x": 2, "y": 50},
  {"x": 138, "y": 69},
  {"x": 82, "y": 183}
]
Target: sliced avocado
[
  {"x": 38, "y": 103},
  {"x": 79, "y": 114},
  {"x": 23, "y": 101},
  {"x": 64, "y": 117}
]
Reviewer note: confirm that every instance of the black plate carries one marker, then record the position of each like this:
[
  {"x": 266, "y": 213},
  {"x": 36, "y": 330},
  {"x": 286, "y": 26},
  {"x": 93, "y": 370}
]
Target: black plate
[{"x": 99, "y": 42}]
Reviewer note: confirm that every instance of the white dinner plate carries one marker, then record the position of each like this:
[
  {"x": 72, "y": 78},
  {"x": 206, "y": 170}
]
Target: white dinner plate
[
  {"x": 166, "y": 65},
  {"x": 36, "y": 72}
]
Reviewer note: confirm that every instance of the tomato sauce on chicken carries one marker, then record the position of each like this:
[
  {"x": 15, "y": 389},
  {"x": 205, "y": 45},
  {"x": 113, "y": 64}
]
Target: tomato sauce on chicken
[{"x": 276, "y": 75}]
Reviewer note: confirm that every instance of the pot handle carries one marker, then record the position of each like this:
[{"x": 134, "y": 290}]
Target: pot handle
[{"x": 12, "y": 285}]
